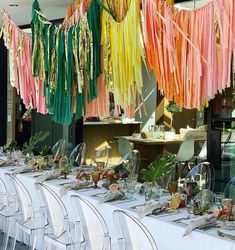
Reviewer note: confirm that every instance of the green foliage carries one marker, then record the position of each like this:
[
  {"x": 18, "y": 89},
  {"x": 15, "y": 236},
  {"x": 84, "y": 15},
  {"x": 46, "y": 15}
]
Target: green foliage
[
  {"x": 233, "y": 125},
  {"x": 28, "y": 147},
  {"x": 46, "y": 151},
  {"x": 10, "y": 147},
  {"x": 159, "y": 169},
  {"x": 173, "y": 108}
]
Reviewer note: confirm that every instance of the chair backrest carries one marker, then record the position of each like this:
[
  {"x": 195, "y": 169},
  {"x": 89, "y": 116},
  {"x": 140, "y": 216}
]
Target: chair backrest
[
  {"x": 203, "y": 175},
  {"x": 124, "y": 146},
  {"x": 186, "y": 150},
  {"x": 132, "y": 234},
  {"x": 229, "y": 191},
  {"x": 56, "y": 211},
  {"x": 102, "y": 155},
  {"x": 3, "y": 193},
  {"x": 23, "y": 198},
  {"x": 203, "y": 152},
  {"x": 94, "y": 228},
  {"x": 59, "y": 148},
  {"x": 133, "y": 161},
  {"x": 79, "y": 154}
]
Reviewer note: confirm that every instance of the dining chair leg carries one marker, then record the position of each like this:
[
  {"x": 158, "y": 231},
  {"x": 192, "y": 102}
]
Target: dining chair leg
[
  {"x": 34, "y": 242},
  {"x": 45, "y": 245},
  {"x": 7, "y": 235},
  {"x": 16, "y": 234}
]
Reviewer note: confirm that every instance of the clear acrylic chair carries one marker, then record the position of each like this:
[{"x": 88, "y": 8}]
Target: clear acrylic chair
[
  {"x": 59, "y": 231},
  {"x": 124, "y": 146},
  {"x": 8, "y": 211},
  {"x": 229, "y": 190},
  {"x": 102, "y": 155},
  {"x": 29, "y": 220},
  {"x": 93, "y": 227},
  {"x": 132, "y": 160},
  {"x": 3, "y": 193},
  {"x": 59, "y": 148},
  {"x": 131, "y": 233},
  {"x": 78, "y": 154},
  {"x": 203, "y": 175}
]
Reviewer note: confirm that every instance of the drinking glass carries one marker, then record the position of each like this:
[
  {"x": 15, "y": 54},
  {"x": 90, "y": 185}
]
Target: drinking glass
[
  {"x": 131, "y": 181},
  {"x": 219, "y": 196},
  {"x": 148, "y": 192},
  {"x": 122, "y": 185}
]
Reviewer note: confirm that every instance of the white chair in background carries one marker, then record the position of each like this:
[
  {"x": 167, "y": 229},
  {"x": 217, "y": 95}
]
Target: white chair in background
[
  {"x": 132, "y": 234},
  {"x": 59, "y": 230},
  {"x": 184, "y": 155},
  {"x": 124, "y": 146},
  {"x": 29, "y": 221},
  {"x": 202, "y": 156},
  {"x": 93, "y": 227}
]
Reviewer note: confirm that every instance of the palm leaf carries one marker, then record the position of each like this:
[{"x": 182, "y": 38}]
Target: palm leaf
[{"x": 159, "y": 169}]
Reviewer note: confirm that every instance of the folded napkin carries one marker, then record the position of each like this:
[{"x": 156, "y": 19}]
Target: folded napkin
[
  {"x": 3, "y": 163},
  {"x": 112, "y": 196},
  {"x": 149, "y": 208},
  {"x": 46, "y": 177},
  {"x": 229, "y": 225},
  {"x": 25, "y": 169},
  {"x": 230, "y": 234},
  {"x": 204, "y": 220},
  {"x": 74, "y": 185}
]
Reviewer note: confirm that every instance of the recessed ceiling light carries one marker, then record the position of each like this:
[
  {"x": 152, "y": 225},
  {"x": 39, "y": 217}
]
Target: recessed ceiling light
[{"x": 13, "y": 5}]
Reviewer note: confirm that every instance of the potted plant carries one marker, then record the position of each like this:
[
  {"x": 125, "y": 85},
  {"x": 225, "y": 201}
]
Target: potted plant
[
  {"x": 172, "y": 107},
  {"x": 159, "y": 169},
  {"x": 29, "y": 146}
]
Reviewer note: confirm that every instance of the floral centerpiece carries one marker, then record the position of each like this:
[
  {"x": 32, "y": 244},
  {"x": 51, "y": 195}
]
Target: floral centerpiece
[
  {"x": 113, "y": 175},
  {"x": 29, "y": 146},
  {"x": 10, "y": 147},
  {"x": 160, "y": 169}
]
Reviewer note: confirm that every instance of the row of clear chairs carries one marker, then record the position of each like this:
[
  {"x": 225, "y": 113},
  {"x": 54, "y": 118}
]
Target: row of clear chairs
[
  {"x": 78, "y": 154},
  {"x": 50, "y": 224}
]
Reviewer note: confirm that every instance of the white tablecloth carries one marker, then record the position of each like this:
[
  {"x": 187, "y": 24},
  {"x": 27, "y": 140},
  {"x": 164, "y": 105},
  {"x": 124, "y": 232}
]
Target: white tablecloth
[{"x": 168, "y": 235}]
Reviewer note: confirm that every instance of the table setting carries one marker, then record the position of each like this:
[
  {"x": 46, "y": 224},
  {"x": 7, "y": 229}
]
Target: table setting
[{"x": 144, "y": 194}]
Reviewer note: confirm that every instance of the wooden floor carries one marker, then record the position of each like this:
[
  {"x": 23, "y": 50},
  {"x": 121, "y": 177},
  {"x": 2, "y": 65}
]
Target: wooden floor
[{"x": 19, "y": 246}]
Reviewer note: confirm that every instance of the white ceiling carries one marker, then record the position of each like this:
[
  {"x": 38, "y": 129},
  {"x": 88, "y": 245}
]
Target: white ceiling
[{"x": 53, "y": 9}]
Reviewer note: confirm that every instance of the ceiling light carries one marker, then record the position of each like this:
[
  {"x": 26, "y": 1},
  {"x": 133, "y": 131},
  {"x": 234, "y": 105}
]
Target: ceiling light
[{"x": 13, "y": 5}]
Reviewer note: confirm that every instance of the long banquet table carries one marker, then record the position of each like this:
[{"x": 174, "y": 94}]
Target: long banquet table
[{"x": 167, "y": 234}]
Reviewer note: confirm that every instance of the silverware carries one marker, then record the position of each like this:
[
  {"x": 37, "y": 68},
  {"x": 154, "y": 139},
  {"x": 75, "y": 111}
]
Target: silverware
[
  {"x": 222, "y": 234},
  {"x": 181, "y": 218}
]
